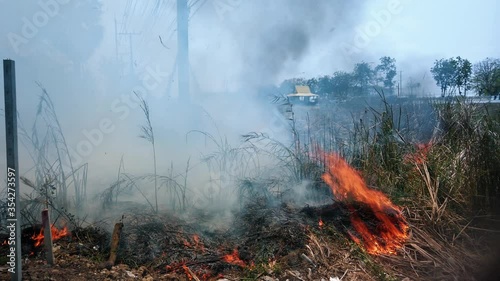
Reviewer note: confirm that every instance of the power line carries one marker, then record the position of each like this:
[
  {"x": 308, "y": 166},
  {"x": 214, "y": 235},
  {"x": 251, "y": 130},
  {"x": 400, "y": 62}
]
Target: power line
[
  {"x": 133, "y": 9},
  {"x": 163, "y": 11},
  {"x": 192, "y": 4},
  {"x": 201, "y": 5},
  {"x": 190, "y": 17}
]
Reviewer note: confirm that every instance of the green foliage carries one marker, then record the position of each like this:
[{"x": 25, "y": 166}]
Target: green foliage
[
  {"x": 341, "y": 84},
  {"x": 386, "y": 71},
  {"x": 452, "y": 74},
  {"x": 486, "y": 79},
  {"x": 363, "y": 75},
  {"x": 456, "y": 170},
  {"x": 378, "y": 148},
  {"x": 469, "y": 155},
  {"x": 288, "y": 86}
]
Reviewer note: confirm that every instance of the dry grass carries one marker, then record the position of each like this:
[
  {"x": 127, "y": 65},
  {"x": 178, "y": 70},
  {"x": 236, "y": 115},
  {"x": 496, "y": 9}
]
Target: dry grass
[
  {"x": 428, "y": 254},
  {"x": 456, "y": 177}
]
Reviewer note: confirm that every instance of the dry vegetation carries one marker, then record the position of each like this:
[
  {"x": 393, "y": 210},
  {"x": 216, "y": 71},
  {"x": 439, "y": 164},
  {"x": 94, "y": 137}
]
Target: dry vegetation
[{"x": 447, "y": 186}]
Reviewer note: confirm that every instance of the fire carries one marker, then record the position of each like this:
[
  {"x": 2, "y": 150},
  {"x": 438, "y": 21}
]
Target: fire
[
  {"x": 348, "y": 186},
  {"x": 197, "y": 243},
  {"x": 321, "y": 223},
  {"x": 202, "y": 273},
  {"x": 234, "y": 258},
  {"x": 420, "y": 156},
  {"x": 56, "y": 235},
  {"x": 187, "y": 271}
]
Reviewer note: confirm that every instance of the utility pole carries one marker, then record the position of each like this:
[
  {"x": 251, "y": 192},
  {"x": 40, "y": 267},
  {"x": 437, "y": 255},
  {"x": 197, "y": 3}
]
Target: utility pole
[
  {"x": 116, "y": 39},
  {"x": 130, "y": 46},
  {"x": 183, "y": 50},
  {"x": 401, "y": 82},
  {"x": 131, "y": 53}
]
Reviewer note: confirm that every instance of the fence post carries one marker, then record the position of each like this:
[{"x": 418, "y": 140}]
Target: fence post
[{"x": 47, "y": 236}]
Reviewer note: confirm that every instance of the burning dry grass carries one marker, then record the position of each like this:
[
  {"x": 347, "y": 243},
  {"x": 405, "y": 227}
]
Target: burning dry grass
[
  {"x": 361, "y": 235},
  {"x": 428, "y": 254},
  {"x": 173, "y": 245},
  {"x": 56, "y": 235},
  {"x": 285, "y": 241},
  {"x": 390, "y": 230},
  {"x": 431, "y": 254}
]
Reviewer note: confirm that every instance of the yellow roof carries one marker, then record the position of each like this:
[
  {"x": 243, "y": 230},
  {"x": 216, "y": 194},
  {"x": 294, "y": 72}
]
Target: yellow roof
[{"x": 302, "y": 90}]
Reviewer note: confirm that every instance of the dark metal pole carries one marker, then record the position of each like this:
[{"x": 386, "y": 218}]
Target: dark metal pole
[
  {"x": 13, "y": 212},
  {"x": 183, "y": 50}
]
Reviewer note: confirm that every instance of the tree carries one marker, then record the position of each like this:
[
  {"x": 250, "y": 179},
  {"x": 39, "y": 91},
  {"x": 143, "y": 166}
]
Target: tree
[
  {"x": 322, "y": 85},
  {"x": 363, "y": 75},
  {"x": 288, "y": 85},
  {"x": 463, "y": 75},
  {"x": 386, "y": 71},
  {"x": 313, "y": 85},
  {"x": 452, "y": 74},
  {"x": 486, "y": 78},
  {"x": 342, "y": 83},
  {"x": 443, "y": 72}
]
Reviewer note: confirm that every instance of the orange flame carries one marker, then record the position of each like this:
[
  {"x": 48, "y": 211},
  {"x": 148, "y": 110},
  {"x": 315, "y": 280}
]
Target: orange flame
[
  {"x": 321, "y": 223},
  {"x": 420, "y": 156},
  {"x": 187, "y": 272},
  {"x": 56, "y": 235},
  {"x": 348, "y": 186},
  {"x": 234, "y": 258},
  {"x": 203, "y": 273},
  {"x": 197, "y": 243}
]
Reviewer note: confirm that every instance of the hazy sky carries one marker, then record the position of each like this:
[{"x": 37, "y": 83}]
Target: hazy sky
[
  {"x": 235, "y": 46},
  {"x": 414, "y": 32}
]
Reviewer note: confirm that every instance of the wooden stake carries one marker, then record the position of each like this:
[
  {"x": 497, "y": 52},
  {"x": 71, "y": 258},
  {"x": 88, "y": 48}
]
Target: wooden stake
[
  {"x": 115, "y": 240},
  {"x": 47, "y": 236}
]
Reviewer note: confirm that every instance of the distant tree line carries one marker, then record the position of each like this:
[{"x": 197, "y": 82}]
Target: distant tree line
[
  {"x": 341, "y": 84},
  {"x": 453, "y": 76},
  {"x": 458, "y": 75}
]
